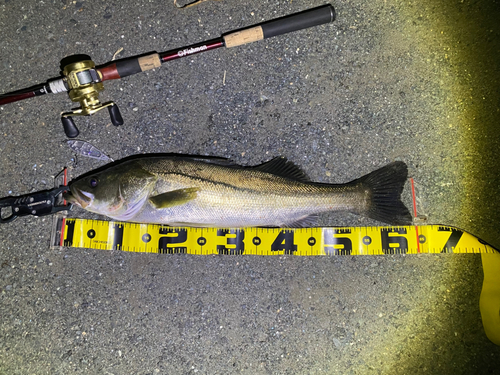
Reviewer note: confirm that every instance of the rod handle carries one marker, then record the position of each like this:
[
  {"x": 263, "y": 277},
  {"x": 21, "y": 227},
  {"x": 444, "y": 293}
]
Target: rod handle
[
  {"x": 132, "y": 65},
  {"x": 298, "y": 21}
]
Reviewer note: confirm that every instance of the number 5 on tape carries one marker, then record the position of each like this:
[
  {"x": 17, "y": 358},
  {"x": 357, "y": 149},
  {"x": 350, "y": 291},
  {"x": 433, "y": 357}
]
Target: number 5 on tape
[{"x": 153, "y": 238}]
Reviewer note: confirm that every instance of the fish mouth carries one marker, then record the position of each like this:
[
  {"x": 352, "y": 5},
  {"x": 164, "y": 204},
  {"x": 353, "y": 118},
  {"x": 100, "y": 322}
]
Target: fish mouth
[{"x": 79, "y": 197}]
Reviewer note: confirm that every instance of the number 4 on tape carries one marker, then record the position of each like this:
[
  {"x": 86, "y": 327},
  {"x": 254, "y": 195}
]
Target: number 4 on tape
[{"x": 153, "y": 238}]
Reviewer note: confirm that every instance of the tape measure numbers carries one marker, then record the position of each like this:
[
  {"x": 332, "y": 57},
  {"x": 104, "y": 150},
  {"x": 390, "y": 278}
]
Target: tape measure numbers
[{"x": 154, "y": 238}]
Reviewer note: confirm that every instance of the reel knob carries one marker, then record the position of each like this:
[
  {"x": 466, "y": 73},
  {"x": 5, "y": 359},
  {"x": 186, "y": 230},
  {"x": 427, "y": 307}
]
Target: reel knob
[
  {"x": 69, "y": 127},
  {"x": 114, "y": 113}
]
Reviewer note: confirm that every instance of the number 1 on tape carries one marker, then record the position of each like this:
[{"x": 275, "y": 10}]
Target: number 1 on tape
[{"x": 154, "y": 238}]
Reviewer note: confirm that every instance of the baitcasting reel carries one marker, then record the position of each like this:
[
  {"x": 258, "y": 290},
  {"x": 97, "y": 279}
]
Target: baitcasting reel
[{"x": 83, "y": 83}]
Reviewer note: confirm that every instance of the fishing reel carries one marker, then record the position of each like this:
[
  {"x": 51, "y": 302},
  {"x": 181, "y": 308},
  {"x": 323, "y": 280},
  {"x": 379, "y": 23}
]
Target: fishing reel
[{"x": 83, "y": 83}]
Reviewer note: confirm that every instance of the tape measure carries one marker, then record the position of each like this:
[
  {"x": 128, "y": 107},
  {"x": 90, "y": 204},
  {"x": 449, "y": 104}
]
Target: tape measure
[{"x": 154, "y": 238}]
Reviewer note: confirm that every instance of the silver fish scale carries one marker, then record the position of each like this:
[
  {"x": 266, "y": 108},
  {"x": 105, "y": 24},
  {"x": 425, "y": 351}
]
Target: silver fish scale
[
  {"x": 232, "y": 197},
  {"x": 189, "y": 191}
]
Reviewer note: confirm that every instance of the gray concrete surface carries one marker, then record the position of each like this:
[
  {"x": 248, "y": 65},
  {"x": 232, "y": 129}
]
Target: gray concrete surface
[{"x": 389, "y": 80}]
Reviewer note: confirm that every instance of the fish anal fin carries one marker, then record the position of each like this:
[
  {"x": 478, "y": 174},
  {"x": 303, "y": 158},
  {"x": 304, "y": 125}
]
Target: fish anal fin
[
  {"x": 280, "y": 166},
  {"x": 174, "y": 197},
  {"x": 303, "y": 222}
]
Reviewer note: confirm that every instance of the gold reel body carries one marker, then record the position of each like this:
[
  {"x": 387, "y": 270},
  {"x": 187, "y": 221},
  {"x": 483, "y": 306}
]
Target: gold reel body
[{"x": 84, "y": 82}]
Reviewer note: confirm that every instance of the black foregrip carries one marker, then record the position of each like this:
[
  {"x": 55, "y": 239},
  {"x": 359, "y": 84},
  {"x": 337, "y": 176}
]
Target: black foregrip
[
  {"x": 309, "y": 18},
  {"x": 127, "y": 67}
]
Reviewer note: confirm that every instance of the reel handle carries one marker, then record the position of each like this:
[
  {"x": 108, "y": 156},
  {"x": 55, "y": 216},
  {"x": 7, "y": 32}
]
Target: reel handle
[{"x": 69, "y": 124}]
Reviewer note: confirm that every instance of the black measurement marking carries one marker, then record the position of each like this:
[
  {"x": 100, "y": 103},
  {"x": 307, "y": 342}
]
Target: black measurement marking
[
  {"x": 284, "y": 242},
  {"x": 146, "y": 237},
  {"x": 256, "y": 241},
  {"x": 389, "y": 241},
  {"x": 331, "y": 240},
  {"x": 165, "y": 241},
  {"x": 311, "y": 241},
  {"x": 91, "y": 233},
  {"x": 236, "y": 237},
  {"x": 367, "y": 240},
  {"x": 456, "y": 234},
  {"x": 70, "y": 232},
  {"x": 118, "y": 236},
  {"x": 201, "y": 241}
]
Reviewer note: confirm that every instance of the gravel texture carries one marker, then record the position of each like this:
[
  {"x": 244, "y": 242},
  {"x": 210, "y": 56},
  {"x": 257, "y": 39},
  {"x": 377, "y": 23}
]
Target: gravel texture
[{"x": 388, "y": 80}]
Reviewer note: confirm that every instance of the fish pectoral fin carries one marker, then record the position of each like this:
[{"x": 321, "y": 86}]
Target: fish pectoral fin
[{"x": 174, "y": 197}]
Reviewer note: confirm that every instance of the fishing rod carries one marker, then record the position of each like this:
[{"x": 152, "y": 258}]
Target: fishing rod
[{"x": 83, "y": 80}]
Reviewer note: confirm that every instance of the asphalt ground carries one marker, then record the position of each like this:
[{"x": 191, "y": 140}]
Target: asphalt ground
[{"x": 388, "y": 80}]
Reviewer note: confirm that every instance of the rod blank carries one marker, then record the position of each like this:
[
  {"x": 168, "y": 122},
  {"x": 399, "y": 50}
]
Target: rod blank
[{"x": 132, "y": 65}]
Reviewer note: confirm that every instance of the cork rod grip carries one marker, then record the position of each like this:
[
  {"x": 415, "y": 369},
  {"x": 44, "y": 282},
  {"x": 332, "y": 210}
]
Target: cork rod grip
[
  {"x": 132, "y": 65},
  {"x": 239, "y": 38}
]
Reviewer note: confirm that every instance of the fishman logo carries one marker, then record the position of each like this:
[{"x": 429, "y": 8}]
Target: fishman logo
[{"x": 190, "y": 51}]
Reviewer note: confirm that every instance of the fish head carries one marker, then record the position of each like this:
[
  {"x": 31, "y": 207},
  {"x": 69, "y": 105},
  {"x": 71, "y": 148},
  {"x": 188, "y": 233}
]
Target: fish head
[{"x": 118, "y": 192}]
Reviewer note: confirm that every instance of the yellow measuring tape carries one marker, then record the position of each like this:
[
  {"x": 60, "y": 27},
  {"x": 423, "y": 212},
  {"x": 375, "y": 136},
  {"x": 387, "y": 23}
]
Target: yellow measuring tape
[{"x": 154, "y": 238}]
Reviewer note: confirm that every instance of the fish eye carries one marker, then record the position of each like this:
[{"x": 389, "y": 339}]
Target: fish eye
[{"x": 93, "y": 182}]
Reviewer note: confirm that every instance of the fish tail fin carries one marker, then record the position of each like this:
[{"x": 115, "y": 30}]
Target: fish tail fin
[{"x": 386, "y": 185}]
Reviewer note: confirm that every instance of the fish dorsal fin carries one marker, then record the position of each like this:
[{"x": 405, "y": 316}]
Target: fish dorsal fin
[
  {"x": 280, "y": 166},
  {"x": 174, "y": 197},
  {"x": 303, "y": 222}
]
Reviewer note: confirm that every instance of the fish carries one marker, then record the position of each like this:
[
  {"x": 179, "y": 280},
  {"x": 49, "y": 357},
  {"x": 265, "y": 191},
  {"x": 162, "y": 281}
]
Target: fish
[{"x": 202, "y": 192}]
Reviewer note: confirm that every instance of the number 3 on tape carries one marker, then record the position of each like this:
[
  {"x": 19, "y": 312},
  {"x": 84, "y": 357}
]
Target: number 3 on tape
[{"x": 153, "y": 238}]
